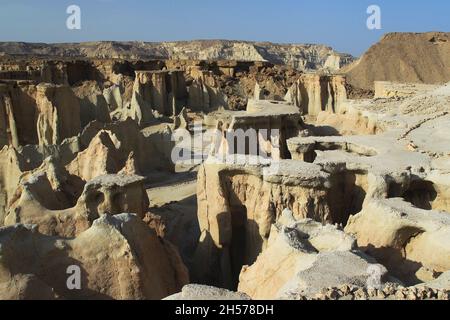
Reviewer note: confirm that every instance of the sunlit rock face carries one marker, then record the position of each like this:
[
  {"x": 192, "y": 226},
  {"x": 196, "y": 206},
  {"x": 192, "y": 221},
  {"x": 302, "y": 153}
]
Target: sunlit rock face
[{"x": 118, "y": 257}]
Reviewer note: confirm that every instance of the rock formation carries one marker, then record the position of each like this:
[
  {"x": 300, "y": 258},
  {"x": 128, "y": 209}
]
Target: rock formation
[
  {"x": 58, "y": 114},
  {"x": 314, "y": 93},
  {"x": 403, "y": 57},
  {"x": 282, "y": 185},
  {"x": 119, "y": 258},
  {"x": 404, "y": 239},
  {"x": 18, "y": 113},
  {"x": 72, "y": 206},
  {"x": 306, "y": 257},
  {"x": 298, "y": 56}
]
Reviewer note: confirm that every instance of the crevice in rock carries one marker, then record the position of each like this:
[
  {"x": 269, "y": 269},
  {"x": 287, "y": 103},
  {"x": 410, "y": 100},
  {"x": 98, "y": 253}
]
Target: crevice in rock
[
  {"x": 347, "y": 195},
  {"x": 422, "y": 194}
]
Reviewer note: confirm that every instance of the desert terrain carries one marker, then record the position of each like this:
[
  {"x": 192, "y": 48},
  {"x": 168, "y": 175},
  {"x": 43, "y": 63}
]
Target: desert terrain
[{"x": 225, "y": 170}]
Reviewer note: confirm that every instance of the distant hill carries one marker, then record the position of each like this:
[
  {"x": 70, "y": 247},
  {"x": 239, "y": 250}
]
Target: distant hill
[
  {"x": 403, "y": 57},
  {"x": 299, "y": 56}
]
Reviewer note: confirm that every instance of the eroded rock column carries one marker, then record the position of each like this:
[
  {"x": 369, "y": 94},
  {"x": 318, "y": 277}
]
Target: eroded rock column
[{"x": 58, "y": 114}]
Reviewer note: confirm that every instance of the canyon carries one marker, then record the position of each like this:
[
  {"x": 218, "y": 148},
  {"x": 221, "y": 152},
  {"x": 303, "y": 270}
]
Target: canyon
[{"x": 223, "y": 170}]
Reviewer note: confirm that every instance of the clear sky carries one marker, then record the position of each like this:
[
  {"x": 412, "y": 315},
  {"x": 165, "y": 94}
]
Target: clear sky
[{"x": 338, "y": 23}]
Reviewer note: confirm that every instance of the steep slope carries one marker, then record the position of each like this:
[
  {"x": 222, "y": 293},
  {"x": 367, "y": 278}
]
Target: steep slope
[
  {"x": 299, "y": 56},
  {"x": 403, "y": 57}
]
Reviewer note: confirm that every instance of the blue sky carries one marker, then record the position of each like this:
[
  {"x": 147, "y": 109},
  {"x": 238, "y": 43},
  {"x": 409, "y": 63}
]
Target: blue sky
[{"x": 338, "y": 23}]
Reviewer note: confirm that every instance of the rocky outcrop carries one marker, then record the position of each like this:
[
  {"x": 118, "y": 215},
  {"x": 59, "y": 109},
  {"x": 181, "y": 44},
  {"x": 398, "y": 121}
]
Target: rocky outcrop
[
  {"x": 306, "y": 257},
  {"x": 314, "y": 93},
  {"x": 44, "y": 199},
  {"x": 93, "y": 104},
  {"x": 390, "y": 291},
  {"x": 260, "y": 131},
  {"x": 307, "y": 56},
  {"x": 118, "y": 258},
  {"x": 295, "y": 200},
  {"x": 181, "y": 121},
  {"x": 238, "y": 203},
  {"x": 163, "y": 92},
  {"x": 114, "y": 194},
  {"x": 18, "y": 112},
  {"x": 405, "y": 58},
  {"x": 58, "y": 114},
  {"x": 150, "y": 148},
  {"x": 204, "y": 92},
  {"x": 403, "y": 238},
  {"x": 108, "y": 158},
  {"x": 113, "y": 97}
]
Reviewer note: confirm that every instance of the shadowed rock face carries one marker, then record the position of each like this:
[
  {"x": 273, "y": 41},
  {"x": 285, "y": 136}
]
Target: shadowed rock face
[
  {"x": 58, "y": 114},
  {"x": 18, "y": 112},
  {"x": 45, "y": 114},
  {"x": 164, "y": 92}
]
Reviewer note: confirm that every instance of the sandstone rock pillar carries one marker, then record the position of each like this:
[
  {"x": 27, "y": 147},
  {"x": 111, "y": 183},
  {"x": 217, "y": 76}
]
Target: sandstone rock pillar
[
  {"x": 314, "y": 93},
  {"x": 58, "y": 114}
]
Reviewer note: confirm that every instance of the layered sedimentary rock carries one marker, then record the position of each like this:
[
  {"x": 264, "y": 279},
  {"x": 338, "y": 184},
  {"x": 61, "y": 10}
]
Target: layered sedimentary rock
[
  {"x": 160, "y": 91},
  {"x": 118, "y": 257},
  {"x": 113, "y": 97},
  {"x": 58, "y": 114},
  {"x": 150, "y": 149},
  {"x": 8, "y": 127},
  {"x": 108, "y": 158},
  {"x": 403, "y": 57},
  {"x": 93, "y": 104},
  {"x": 270, "y": 210},
  {"x": 390, "y": 291},
  {"x": 314, "y": 93},
  {"x": 238, "y": 203},
  {"x": 298, "y": 56},
  {"x": 18, "y": 113}
]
